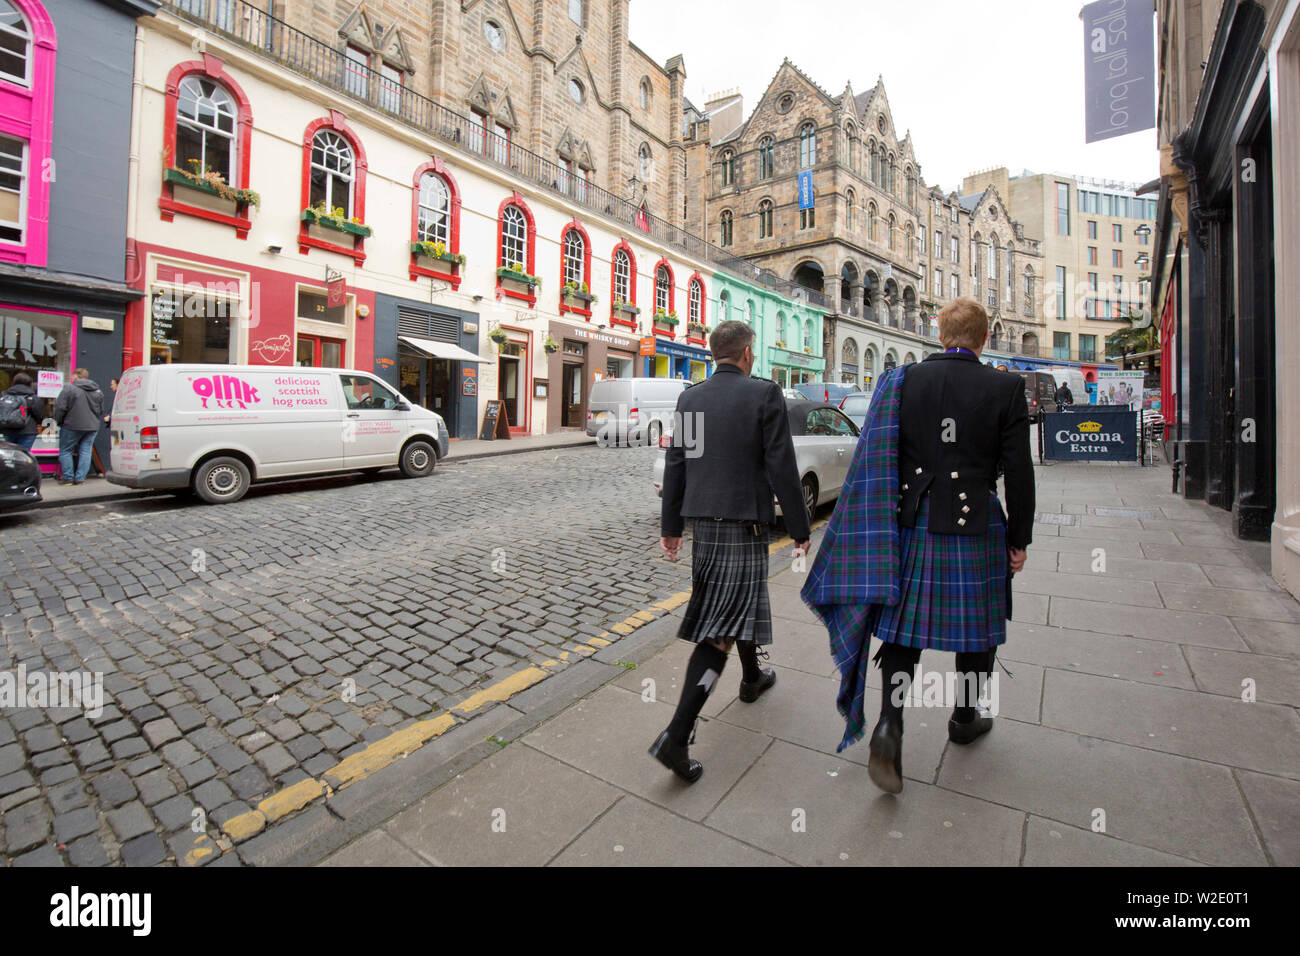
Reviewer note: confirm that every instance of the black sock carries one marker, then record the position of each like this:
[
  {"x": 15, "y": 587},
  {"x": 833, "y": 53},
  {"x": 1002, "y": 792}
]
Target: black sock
[
  {"x": 702, "y": 673},
  {"x": 972, "y": 670},
  {"x": 897, "y": 665},
  {"x": 748, "y": 652}
]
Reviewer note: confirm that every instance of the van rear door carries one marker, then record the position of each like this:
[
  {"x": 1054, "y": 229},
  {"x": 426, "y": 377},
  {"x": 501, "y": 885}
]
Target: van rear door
[{"x": 132, "y": 411}]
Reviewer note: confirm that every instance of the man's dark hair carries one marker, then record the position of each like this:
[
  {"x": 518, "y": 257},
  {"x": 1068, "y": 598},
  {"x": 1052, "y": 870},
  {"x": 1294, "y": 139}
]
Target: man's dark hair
[
  {"x": 727, "y": 342},
  {"x": 21, "y": 378}
]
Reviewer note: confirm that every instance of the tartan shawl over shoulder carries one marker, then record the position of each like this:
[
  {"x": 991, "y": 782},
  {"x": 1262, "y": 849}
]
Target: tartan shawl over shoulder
[{"x": 857, "y": 565}]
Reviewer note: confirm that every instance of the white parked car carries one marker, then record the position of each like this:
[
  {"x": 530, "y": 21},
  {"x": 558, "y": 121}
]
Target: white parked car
[
  {"x": 824, "y": 441},
  {"x": 218, "y": 428}
]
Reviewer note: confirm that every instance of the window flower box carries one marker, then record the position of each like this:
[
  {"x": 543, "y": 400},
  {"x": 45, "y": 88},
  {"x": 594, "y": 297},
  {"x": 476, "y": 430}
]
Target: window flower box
[
  {"x": 213, "y": 184},
  {"x": 577, "y": 296},
  {"x": 318, "y": 216},
  {"x": 627, "y": 308},
  {"x": 519, "y": 280},
  {"x": 438, "y": 252},
  {"x": 666, "y": 318}
]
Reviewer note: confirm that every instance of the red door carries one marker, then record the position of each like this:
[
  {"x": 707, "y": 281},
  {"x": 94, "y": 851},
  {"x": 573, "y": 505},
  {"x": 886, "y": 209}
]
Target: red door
[{"x": 319, "y": 352}]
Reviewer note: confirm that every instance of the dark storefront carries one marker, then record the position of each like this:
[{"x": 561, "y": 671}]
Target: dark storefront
[
  {"x": 584, "y": 356},
  {"x": 430, "y": 354},
  {"x": 1214, "y": 283}
]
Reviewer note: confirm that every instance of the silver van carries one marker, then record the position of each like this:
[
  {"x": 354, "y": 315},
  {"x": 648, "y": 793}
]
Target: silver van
[{"x": 632, "y": 411}]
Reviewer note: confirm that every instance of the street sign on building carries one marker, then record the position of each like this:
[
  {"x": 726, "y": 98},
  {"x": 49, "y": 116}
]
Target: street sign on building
[
  {"x": 1118, "y": 68},
  {"x": 806, "y": 198}
]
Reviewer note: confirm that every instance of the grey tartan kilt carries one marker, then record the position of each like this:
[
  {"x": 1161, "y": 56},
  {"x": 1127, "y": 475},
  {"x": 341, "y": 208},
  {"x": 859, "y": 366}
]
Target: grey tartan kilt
[{"x": 729, "y": 597}]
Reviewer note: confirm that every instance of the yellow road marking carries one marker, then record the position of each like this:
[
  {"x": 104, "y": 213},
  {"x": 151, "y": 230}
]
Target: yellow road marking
[{"x": 502, "y": 689}]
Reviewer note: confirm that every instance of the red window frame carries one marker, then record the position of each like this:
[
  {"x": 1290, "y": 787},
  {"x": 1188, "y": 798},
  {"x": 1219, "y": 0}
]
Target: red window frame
[
  {"x": 168, "y": 205},
  {"x": 575, "y": 226},
  {"x": 452, "y": 273},
  {"x": 615, "y": 318},
  {"x": 530, "y": 248},
  {"x": 697, "y": 280},
  {"x": 337, "y": 122}
]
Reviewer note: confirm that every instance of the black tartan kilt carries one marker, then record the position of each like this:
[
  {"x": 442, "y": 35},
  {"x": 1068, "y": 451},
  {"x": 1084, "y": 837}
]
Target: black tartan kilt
[{"x": 729, "y": 598}]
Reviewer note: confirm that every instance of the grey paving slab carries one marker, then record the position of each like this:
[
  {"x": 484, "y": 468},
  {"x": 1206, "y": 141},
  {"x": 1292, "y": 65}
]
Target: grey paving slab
[
  {"x": 1135, "y": 569},
  {"x": 818, "y": 810},
  {"x": 1275, "y": 680},
  {"x": 1051, "y": 843},
  {"x": 1125, "y": 549},
  {"x": 1091, "y": 587},
  {"x": 1029, "y": 608},
  {"x": 609, "y": 733},
  {"x": 1161, "y": 801},
  {"x": 637, "y": 833},
  {"x": 503, "y": 811},
  {"x": 1181, "y": 627},
  {"x": 1248, "y": 578},
  {"x": 1275, "y": 638},
  {"x": 376, "y": 848},
  {"x": 1222, "y": 557},
  {"x": 1104, "y": 537},
  {"x": 1275, "y": 803},
  {"x": 1090, "y": 652},
  {"x": 1225, "y": 730},
  {"x": 1233, "y": 602}
]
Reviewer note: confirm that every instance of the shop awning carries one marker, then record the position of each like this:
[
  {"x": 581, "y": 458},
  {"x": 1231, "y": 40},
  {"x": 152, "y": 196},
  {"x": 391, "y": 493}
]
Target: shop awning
[{"x": 443, "y": 350}]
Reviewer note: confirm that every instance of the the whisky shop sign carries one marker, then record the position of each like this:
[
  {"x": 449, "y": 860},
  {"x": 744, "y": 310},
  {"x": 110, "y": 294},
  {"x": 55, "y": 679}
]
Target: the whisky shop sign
[{"x": 1091, "y": 433}]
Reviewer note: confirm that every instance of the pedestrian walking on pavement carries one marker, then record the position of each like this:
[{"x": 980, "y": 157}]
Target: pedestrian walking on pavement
[
  {"x": 1064, "y": 396},
  {"x": 919, "y": 553},
  {"x": 21, "y": 412},
  {"x": 78, "y": 411},
  {"x": 743, "y": 455}
]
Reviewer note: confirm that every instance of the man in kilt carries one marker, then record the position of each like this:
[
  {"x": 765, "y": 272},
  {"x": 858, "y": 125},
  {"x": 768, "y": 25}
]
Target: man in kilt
[
  {"x": 919, "y": 553},
  {"x": 743, "y": 455}
]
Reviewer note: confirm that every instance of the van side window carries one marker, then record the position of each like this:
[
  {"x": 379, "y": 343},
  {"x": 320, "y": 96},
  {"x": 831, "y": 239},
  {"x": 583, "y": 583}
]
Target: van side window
[{"x": 362, "y": 392}]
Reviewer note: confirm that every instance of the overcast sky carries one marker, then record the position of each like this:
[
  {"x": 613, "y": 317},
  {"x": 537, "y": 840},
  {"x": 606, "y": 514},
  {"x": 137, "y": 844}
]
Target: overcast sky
[{"x": 979, "y": 83}]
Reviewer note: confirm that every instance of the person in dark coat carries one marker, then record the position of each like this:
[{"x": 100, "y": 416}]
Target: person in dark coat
[
  {"x": 930, "y": 561},
  {"x": 20, "y": 387},
  {"x": 731, "y": 453},
  {"x": 78, "y": 411},
  {"x": 1064, "y": 396}
]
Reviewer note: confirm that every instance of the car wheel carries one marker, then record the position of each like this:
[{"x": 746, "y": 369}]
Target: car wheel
[
  {"x": 219, "y": 481},
  {"x": 418, "y": 459},
  {"x": 809, "y": 486}
]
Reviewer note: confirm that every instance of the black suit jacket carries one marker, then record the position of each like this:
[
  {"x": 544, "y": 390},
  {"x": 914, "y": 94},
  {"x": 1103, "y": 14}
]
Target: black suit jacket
[
  {"x": 960, "y": 423},
  {"x": 743, "y": 455}
]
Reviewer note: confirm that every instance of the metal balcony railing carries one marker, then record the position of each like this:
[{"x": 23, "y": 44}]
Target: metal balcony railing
[{"x": 305, "y": 54}]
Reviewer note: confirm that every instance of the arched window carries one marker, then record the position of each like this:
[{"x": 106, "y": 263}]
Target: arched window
[
  {"x": 749, "y": 312},
  {"x": 875, "y": 162},
  {"x": 807, "y": 146},
  {"x": 849, "y": 198},
  {"x": 765, "y": 158},
  {"x": 893, "y": 228},
  {"x": 808, "y": 333},
  {"x": 728, "y": 167},
  {"x": 849, "y": 352},
  {"x": 765, "y": 219},
  {"x": 851, "y": 145},
  {"x": 15, "y": 46},
  {"x": 911, "y": 242},
  {"x": 780, "y": 329},
  {"x": 871, "y": 222},
  {"x": 911, "y": 187},
  {"x": 435, "y": 218},
  {"x": 514, "y": 238},
  {"x": 695, "y": 301},
  {"x": 332, "y": 172},
  {"x": 574, "y": 253},
  {"x": 724, "y": 306},
  {"x": 645, "y": 93},
  {"x": 433, "y": 223},
  {"x": 206, "y": 116},
  {"x": 893, "y": 169},
  {"x": 622, "y": 287},
  {"x": 646, "y": 163},
  {"x": 869, "y": 366},
  {"x": 622, "y": 276},
  {"x": 724, "y": 228},
  {"x": 516, "y": 247},
  {"x": 664, "y": 288},
  {"x": 334, "y": 179}
]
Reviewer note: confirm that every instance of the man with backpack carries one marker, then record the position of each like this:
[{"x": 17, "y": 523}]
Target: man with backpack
[
  {"x": 21, "y": 412},
  {"x": 78, "y": 411}
]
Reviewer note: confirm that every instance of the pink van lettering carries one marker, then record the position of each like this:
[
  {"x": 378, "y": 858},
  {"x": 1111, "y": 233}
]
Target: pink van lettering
[{"x": 226, "y": 390}]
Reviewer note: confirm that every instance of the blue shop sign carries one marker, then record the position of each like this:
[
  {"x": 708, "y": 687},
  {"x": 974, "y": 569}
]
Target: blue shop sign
[
  {"x": 1092, "y": 433},
  {"x": 683, "y": 351}
]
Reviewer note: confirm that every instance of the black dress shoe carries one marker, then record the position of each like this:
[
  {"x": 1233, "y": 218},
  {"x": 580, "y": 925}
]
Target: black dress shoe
[
  {"x": 982, "y": 723},
  {"x": 676, "y": 758},
  {"x": 750, "y": 692},
  {"x": 886, "y": 764}
]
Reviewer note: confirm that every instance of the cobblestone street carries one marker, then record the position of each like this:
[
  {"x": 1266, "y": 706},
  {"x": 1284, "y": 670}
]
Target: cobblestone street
[{"x": 229, "y": 637}]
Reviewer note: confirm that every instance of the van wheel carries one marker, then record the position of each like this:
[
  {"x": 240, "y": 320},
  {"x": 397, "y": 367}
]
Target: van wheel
[
  {"x": 219, "y": 481},
  {"x": 418, "y": 459},
  {"x": 653, "y": 432}
]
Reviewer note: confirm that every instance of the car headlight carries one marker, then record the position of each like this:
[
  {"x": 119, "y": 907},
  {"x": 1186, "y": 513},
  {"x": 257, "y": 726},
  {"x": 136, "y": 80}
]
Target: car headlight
[{"x": 16, "y": 456}]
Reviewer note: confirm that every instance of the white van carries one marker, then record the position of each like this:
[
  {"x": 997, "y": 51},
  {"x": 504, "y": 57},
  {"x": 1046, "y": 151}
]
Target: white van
[
  {"x": 632, "y": 410},
  {"x": 218, "y": 428}
]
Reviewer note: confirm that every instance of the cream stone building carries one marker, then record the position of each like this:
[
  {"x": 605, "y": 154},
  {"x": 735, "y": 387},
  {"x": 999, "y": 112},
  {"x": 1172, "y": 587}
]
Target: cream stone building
[{"x": 1095, "y": 241}]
